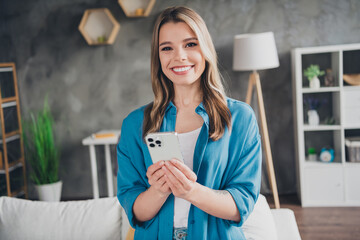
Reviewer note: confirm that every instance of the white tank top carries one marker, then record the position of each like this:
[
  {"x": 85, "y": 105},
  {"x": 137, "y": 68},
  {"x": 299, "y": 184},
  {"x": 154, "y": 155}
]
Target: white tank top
[{"x": 187, "y": 145}]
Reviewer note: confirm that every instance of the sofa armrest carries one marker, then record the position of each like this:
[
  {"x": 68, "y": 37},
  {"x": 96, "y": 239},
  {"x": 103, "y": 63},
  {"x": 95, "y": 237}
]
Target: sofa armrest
[
  {"x": 260, "y": 223},
  {"x": 285, "y": 224}
]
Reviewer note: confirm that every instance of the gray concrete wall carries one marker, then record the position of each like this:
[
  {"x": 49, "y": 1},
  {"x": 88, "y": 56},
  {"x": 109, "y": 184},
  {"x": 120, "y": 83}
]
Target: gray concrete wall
[{"x": 95, "y": 87}]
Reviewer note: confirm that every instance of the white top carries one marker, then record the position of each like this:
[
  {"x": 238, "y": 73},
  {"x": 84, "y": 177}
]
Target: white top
[{"x": 187, "y": 145}]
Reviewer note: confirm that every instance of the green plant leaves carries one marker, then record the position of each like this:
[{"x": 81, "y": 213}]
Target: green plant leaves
[
  {"x": 40, "y": 148},
  {"x": 313, "y": 71}
]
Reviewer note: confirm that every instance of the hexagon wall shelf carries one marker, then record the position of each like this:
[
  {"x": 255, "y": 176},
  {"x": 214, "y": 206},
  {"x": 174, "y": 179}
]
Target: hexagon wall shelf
[
  {"x": 136, "y": 8},
  {"x": 99, "y": 27}
]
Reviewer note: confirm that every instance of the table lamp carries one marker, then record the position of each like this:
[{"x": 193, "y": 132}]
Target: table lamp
[{"x": 254, "y": 52}]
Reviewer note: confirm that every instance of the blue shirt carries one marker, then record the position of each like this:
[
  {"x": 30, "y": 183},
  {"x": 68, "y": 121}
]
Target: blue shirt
[{"x": 232, "y": 163}]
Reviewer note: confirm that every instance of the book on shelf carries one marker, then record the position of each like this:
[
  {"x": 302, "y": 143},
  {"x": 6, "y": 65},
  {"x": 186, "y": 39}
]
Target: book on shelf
[{"x": 103, "y": 135}]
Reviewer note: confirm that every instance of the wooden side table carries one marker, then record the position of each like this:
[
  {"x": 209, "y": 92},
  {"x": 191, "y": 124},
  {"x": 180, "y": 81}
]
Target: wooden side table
[{"x": 91, "y": 141}]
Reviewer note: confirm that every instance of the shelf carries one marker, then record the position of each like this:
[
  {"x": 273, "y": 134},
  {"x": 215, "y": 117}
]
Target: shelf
[
  {"x": 328, "y": 109},
  {"x": 16, "y": 164},
  {"x": 12, "y": 166},
  {"x": 136, "y": 8},
  {"x": 350, "y": 88},
  {"x": 12, "y": 161},
  {"x": 327, "y": 61},
  {"x": 10, "y": 137},
  {"x": 18, "y": 193},
  {"x": 99, "y": 27},
  {"x": 322, "y": 183},
  {"x": 9, "y": 99},
  {"x": 322, "y": 164},
  {"x": 8, "y": 104},
  {"x": 351, "y": 65},
  {"x": 352, "y": 127},
  {"x": 352, "y": 164},
  {"x": 321, "y": 127},
  {"x": 6, "y": 69},
  {"x": 7, "y": 81},
  {"x": 321, "y": 89}
]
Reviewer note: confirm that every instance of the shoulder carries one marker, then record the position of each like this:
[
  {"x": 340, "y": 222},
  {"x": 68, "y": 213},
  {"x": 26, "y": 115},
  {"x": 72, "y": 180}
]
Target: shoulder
[
  {"x": 132, "y": 125},
  {"x": 240, "y": 110},
  {"x": 243, "y": 119}
]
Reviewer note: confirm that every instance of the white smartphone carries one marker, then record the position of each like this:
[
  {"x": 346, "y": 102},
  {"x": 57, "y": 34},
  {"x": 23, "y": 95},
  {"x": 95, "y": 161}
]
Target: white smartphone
[{"x": 163, "y": 146}]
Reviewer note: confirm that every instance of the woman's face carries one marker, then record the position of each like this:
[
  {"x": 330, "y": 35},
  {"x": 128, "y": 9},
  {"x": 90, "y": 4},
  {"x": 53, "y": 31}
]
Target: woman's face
[{"x": 180, "y": 55}]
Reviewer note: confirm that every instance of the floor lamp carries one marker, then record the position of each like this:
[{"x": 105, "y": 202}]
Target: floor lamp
[{"x": 254, "y": 52}]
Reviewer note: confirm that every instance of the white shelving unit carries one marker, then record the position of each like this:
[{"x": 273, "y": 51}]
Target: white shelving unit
[{"x": 319, "y": 183}]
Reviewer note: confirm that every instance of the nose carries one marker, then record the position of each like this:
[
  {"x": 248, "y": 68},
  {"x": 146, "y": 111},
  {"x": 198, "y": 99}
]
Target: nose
[{"x": 180, "y": 54}]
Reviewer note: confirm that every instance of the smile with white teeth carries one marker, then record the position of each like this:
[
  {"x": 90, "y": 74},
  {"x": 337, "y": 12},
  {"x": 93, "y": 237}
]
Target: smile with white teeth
[{"x": 181, "y": 69}]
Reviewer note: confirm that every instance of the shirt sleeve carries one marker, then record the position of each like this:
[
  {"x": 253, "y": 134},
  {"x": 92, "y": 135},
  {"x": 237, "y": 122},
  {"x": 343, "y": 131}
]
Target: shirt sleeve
[
  {"x": 131, "y": 174},
  {"x": 244, "y": 177}
]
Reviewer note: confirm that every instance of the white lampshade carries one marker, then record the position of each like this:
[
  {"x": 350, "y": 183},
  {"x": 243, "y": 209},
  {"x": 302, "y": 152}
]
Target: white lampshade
[{"x": 255, "y": 52}]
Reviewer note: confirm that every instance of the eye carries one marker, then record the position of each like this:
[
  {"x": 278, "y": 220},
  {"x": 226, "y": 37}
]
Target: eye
[
  {"x": 166, "y": 49},
  {"x": 191, "y": 44}
]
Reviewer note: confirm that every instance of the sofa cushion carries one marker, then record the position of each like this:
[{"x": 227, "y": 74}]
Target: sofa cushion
[
  {"x": 88, "y": 219},
  {"x": 260, "y": 223}
]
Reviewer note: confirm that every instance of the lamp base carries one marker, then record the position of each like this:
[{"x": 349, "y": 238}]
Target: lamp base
[{"x": 254, "y": 80}]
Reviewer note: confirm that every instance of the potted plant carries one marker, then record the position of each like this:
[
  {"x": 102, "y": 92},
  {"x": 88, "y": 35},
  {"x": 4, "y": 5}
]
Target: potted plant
[
  {"x": 42, "y": 154},
  {"x": 312, "y": 104},
  {"x": 312, "y": 73},
  {"x": 312, "y": 154}
]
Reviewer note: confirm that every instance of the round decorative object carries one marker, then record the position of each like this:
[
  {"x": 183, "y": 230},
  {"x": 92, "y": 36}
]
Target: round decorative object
[
  {"x": 327, "y": 155},
  {"x": 352, "y": 79}
]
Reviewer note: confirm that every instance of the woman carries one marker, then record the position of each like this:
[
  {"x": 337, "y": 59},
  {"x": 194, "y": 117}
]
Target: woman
[{"x": 211, "y": 194}]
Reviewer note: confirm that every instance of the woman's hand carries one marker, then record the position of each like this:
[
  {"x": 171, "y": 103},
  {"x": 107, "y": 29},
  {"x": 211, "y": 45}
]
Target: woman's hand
[
  {"x": 180, "y": 178},
  {"x": 156, "y": 178},
  {"x": 182, "y": 182},
  {"x": 154, "y": 196}
]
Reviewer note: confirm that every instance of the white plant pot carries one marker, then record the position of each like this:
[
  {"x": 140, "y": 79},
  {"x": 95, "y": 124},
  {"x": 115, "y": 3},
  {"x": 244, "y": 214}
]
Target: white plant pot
[
  {"x": 49, "y": 192},
  {"x": 313, "y": 117},
  {"x": 315, "y": 82},
  {"x": 312, "y": 157}
]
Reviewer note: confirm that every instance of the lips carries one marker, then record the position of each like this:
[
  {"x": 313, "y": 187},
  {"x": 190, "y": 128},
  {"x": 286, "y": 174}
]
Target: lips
[{"x": 181, "y": 69}]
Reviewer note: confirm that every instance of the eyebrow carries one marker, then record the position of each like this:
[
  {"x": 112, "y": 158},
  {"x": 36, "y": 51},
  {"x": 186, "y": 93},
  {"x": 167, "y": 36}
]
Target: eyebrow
[{"x": 185, "y": 40}]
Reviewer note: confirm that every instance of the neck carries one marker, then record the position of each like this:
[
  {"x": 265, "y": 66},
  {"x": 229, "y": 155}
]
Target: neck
[{"x": 186, "y": 96}]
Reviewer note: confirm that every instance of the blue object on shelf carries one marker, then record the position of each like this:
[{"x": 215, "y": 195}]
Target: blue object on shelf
[{"x": 327, "y": 155}]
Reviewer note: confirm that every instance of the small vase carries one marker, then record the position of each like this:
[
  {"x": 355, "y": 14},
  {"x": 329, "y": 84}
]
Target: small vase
[
  {"x": 49, "y": 192},
  {"x": 313, "y": 117},
  {"x": 312, "y": 157},
  {"x": 315, "y": 82}
]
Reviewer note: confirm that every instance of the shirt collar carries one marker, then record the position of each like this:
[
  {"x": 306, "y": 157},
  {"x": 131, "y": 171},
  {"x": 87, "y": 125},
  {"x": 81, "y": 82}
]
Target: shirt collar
[
  {"x": 200, "y": 109},
  {"x": 170, "y": 106},
  {"x": 202, "y": 112}
]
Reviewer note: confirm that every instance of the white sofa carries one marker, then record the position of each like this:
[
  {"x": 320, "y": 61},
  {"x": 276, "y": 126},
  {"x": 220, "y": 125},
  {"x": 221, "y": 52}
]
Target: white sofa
[{"x": 102, "y": 219}]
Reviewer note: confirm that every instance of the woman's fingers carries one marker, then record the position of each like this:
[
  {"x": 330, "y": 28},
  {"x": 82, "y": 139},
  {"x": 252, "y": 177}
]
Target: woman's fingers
[
  {"x": 184, "y": 169},
  {"x": 153, "y": 168},
  {"x": 175, "y": 173}
]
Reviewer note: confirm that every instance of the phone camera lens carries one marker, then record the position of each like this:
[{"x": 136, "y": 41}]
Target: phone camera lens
[
  {"x": 152, "y": 145},
  {"x": 150, "y": 139},
  {"x": 158, "y": 142}
]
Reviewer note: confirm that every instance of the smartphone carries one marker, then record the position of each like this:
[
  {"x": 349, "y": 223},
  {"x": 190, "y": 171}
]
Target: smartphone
[{"x": 163, "y": 146}]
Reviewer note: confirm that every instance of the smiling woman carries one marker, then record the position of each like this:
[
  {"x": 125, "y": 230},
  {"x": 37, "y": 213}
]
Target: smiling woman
[
  {"x": 180, "y": 55},
  {"x": 212, "y": 192}
]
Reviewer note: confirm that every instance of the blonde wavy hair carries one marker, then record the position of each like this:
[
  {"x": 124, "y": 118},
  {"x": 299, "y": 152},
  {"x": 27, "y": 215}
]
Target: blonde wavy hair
[{"x": 214, "y": 98}]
